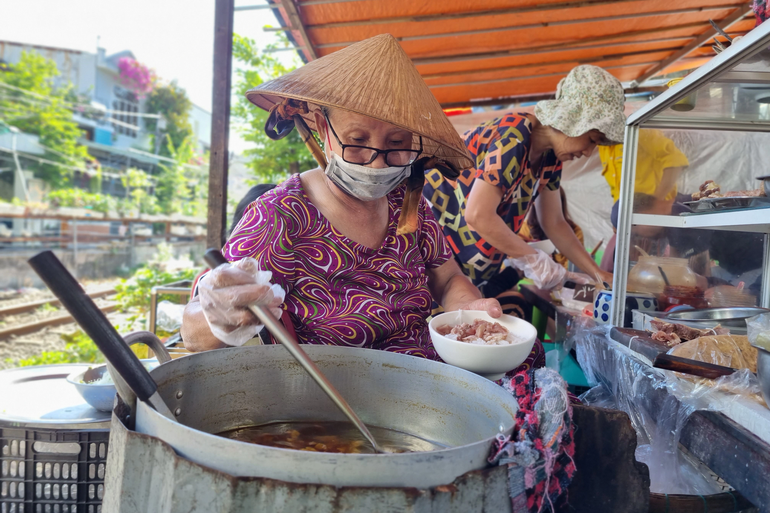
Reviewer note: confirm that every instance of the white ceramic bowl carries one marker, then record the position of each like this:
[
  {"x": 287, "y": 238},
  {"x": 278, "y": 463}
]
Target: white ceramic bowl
[{"x": 491, "y": 362}]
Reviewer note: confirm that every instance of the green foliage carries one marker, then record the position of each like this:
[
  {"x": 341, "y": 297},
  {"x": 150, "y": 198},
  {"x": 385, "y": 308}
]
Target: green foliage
[
  {"x": 172, "y": 102},
  {"x": 138, "y": 183},
  {"x": 83, "y": 199},
  {"x": 79, "y": 349},
  {"x": 44, "y": 113},
  {"x": 182, "y": 188},
  {"x": 46, "y": 308},
  {"x": 134, "y": 293},
  {"x": 270, "y": 161}
]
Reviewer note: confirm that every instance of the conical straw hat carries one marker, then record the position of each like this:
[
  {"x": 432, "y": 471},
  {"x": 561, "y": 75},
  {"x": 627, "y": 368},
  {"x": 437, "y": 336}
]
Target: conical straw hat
[{"x": 374, "y": 78}]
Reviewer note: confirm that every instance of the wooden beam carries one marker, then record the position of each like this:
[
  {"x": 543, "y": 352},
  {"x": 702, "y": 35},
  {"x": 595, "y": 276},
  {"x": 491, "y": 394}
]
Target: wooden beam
[
  {"x": 557, "y": 23},
  {"x": 575, "y": 61},
  {"x": 527, "y": 98},
  {"x": 736, "y": 15},
  {"x": 468, "y": 14},
  {"x": 731, "y": 452},
  {"x": 295, "y": 22},
  {"x": 220, "y": 122},
  {"x": 588, "y": 42},
  {"x": 527, "y": 77}
]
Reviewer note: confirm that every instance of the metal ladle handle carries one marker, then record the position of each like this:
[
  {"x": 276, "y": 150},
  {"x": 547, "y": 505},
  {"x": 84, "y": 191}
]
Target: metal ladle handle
[{"x": 214, "y": 259}]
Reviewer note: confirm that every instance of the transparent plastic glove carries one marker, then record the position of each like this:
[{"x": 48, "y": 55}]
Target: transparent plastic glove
[
  {"x": 227, "y": 290},
  {"x": 541, "y": 269}
]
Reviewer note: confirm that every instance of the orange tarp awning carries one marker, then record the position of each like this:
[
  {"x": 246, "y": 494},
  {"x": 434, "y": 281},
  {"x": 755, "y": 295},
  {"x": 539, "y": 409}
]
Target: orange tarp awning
[{"x": 485, "y": 50}]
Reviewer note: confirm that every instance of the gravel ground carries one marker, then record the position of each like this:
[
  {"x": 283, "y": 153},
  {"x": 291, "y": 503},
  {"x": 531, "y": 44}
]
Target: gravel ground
[{"x": 47, "y": 339}]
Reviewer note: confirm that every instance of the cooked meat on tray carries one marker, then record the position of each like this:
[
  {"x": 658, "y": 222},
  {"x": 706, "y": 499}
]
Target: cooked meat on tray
[
  {"x": 711, "y": 189},
  {"x": 672, "y": 334}
]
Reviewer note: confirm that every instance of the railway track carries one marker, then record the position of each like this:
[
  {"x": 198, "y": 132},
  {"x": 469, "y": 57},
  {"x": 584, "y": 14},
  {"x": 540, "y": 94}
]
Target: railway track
[{"x": 23, "y": 328}]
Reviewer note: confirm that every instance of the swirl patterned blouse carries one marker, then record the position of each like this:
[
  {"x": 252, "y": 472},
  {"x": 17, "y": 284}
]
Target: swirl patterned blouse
[{"x": 340, "y": 292}]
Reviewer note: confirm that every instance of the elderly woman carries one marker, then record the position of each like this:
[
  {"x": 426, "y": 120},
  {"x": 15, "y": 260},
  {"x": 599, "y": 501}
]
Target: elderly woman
[
  {"x": 330, "y": 237},
  {"x": 518, "y": 161}
]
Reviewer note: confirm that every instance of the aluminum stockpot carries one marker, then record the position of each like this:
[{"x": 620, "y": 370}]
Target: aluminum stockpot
[{"x": 225, "y": 389}]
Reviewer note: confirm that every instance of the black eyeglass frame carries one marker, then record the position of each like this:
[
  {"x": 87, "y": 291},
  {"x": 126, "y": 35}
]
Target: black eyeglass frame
[{"x": 376, "y": 151}]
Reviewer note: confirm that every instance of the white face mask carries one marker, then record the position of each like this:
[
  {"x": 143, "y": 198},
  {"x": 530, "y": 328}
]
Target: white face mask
[{"x": 361, "y": 182}]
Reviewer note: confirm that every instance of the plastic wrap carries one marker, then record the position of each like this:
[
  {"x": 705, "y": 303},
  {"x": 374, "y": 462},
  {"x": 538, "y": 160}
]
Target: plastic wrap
[
  {"x": 657, "y": 402},
  {"x": 544, "y": 271},
  {"x": 725, "y": 350},
  {"x": 225, "y": 293},
  {"x": 759, "y": 331},
  {"x": 170, "y": 316}
]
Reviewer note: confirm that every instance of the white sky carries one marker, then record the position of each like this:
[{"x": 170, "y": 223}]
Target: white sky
[{"x": 174, "y": 37}]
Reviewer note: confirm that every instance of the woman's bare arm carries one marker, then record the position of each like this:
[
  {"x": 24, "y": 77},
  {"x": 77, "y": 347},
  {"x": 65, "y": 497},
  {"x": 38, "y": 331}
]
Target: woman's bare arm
[{"x": 454, "y": 291}]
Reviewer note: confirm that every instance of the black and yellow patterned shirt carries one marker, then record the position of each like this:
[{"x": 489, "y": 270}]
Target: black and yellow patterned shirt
[{"x": 500, "y": 148}]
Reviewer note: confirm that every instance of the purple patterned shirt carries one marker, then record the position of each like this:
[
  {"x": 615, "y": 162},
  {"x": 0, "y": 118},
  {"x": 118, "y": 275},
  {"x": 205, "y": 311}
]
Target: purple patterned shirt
[{"x": 340, "y": 292}]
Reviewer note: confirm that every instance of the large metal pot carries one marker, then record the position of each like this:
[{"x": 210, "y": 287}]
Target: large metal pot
[{"x": 225, "y": 389}]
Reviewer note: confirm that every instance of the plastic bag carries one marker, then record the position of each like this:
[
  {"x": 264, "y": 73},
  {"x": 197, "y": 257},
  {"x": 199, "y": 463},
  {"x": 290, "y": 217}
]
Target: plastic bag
[
  {"x": 759, "y": 331},
  {"x": 725, "y": 350},
  {"x": 657, "y": 402},
  {"x": 225, "y": 293},
  {"x": 169, "y": 316}
]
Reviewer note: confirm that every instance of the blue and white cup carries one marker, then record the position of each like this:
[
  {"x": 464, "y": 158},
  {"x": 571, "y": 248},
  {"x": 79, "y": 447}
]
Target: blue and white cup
[{"x": 634, "y": 301}]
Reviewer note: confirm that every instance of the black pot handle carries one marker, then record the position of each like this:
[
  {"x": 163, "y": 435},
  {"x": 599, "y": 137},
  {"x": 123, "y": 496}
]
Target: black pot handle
[
  {"x": 214, "y": 258},
  {"x": 94, "y": 323}
]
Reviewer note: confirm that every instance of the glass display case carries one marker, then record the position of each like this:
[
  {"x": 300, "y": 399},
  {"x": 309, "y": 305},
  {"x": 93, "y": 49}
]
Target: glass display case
[{"x": 693, "y": 216}]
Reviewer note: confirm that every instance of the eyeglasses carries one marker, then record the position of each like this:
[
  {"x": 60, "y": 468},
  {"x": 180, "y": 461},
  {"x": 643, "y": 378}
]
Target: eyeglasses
[{"x": 363, "y": 155}]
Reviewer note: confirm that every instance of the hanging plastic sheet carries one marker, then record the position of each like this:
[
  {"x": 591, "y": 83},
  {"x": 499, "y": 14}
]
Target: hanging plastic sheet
[{"x": 658, "y": 403}]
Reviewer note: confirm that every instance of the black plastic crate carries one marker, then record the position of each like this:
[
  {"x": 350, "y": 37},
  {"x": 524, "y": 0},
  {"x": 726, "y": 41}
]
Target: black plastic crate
[{"x": 52, "y": 471}]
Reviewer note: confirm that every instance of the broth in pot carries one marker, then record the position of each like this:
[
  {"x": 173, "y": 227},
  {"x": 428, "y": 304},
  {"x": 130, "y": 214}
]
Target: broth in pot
[{"x": 329, "y": 436}]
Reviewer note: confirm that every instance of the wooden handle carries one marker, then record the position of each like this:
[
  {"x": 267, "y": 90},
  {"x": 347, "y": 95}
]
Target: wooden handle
[
  {"x": 687, "y": 366},
  {"x": 310, "y": 141}
]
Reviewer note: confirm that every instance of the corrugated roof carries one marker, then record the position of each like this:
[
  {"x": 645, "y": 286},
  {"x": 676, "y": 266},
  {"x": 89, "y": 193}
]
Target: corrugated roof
[{"x": 482, "y": 50}]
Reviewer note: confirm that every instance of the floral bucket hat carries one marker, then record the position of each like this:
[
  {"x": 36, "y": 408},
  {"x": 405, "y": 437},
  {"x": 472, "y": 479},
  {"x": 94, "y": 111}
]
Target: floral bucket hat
[{"x": 587, "y": 98}]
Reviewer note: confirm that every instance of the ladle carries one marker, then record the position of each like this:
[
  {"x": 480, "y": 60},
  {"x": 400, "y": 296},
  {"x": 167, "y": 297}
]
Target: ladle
[
  {"x": 98, "y": 327},
  {"x": 643, "y": 252},
  {"x": 214, "y": 259}
]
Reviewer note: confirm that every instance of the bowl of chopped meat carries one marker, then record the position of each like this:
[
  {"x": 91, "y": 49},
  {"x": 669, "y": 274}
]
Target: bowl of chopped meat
[{"x": 474, "y": 341}]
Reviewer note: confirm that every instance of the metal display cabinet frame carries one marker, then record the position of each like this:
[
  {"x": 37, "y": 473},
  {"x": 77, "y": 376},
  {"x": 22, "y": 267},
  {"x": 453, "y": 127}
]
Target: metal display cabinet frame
[
  {"x": 178, "y": 288},
  {"x": 742, "y": 64}
]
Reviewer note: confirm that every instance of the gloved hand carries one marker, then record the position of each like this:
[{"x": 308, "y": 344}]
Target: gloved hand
[
  {"x": 547, "y": 274},
  {"x": 227, "y": 290}
]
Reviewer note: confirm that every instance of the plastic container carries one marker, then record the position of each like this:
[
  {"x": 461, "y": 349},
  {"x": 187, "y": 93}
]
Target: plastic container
[
  {"x": 53, "y": 446},
  {"x": 646, "y": 277},
  {"x": 677, "y": 296},
  {"x": 52, "y": 470},
  {"x": 685, "y": 104}
]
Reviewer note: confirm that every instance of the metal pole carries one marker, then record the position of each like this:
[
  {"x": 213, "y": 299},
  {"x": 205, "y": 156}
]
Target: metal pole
[
  {"x": 220, "y": 122},
  {"x": 22, "y": 178},
  {"x": 623, "y": 238},
  {"x": 75, "y": 248},
  {"x": 132, "y": 249},
  {"x": 153, "y": 309},
  {"x": 764, "y": 300}
]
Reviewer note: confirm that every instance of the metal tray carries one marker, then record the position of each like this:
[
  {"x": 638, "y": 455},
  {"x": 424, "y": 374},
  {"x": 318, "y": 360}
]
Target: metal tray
[
  {"x": 41, "y": 397},
  {"x": 728, "y": 317},
  {"x": 720, "y": 204}
]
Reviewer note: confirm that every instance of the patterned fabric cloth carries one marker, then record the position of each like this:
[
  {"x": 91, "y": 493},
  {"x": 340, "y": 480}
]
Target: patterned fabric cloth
[
  {"x": 500, "y": 148},
  {"x": 761, "y": 11},
  {"x": 588, "y": 98},
  {"x": 540, "y": 453},
  {"x": 340, "y": 292}
]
